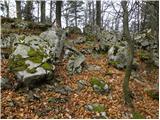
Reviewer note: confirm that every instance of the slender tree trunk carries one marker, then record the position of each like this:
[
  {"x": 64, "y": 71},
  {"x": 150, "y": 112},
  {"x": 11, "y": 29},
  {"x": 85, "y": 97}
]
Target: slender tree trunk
[
  {"x": 75, "y": 11},
  {"x": 98, "y": 11},
  {"x": 58, "y": 12},
  {"x": 51, "y": 4},
  {"x": 127, "y": 37},
  {"x": 7, "y": 7},
  {"x": 18, "y": 9},
  {"x": 28, "y": 10},
  {"x": 93, "y": 13},
  {"x": 42, "y": 11},
  {"x": 38, "y": 9},
  {"x": 89, "y": 5}
]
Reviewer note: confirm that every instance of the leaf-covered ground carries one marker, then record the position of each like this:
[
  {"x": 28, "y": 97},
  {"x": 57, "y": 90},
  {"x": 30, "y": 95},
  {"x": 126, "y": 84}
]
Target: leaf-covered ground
[{"x": 16, "y": 104}]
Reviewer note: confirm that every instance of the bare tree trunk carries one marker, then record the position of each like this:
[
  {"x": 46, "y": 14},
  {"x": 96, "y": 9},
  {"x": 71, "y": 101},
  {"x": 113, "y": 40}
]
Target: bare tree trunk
[
  {"x": 93, "y": 13},
  {"x": 58, "y": 12},
  {"x": 90, "y": 15},
  {"x": 42, "y": 11},
  {"x": 98, "y": 11},
  {"x": 18, "y": 9},
  {"x": 51, "y": 3},
  {"x": 7, "y": 7},
  {"x": 28, "y": 10},
  {"x": 38, "y": 9},
  {"x": 75, "y": 12},
  {"x": 127, "y": 37}
]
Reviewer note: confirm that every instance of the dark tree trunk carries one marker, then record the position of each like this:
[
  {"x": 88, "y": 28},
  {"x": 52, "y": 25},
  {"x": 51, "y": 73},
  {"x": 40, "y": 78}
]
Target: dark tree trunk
[
  {"x": 51, "y": 4},
  {"x": 93, "y": 13},
  {"x": 127, "y": 37},
  {"x": 98, "y": 11},
  {"x": 75, "y": 12},
  {"x": 38, "y": 9},
  {"x": 18, "y": 9},
  {"x": 89, "y": 6},
  {"x": 28, "y": 11},
  {"x": 58, "y": 13},
  {"x": 7, "y": 8},
  {"x": 42, "y": 11}
]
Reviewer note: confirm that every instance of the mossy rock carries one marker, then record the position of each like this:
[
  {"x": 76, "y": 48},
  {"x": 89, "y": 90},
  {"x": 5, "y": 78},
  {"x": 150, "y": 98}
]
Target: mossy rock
[
  {"x": 37, "y": 59},
  {"x": 47, "y": 66},
  {"x": 96, "y": 81},
  {"x": 137, "y": 115},
  {"x": 153, "y": 94},
  {"x": 33, "y": 70},
  {"x": 90, "y": 38},
  {"x": 113, "y": 63},
  {"x": 98, "y": 108},
  {"x": 32, "y": 53},
  {"x": 144, "y": 55},
  {"x": 18, "y": 65}
]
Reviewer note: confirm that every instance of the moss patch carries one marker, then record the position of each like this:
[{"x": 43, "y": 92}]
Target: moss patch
[
  {"x": 36, "y": 59},
  {"x": 98, "y": 107},
  {"x": 153, "y": 94},
  {"x": 96, "y": 81},
  {"x": 114, "y": 63},
  {"x": 47, "y": 66},
  {"x": 137, "y": 115},
  {"x": 18, "y": 65},
  {"x": 144, "y": 55},
  {"x": 33, "y": 70}
]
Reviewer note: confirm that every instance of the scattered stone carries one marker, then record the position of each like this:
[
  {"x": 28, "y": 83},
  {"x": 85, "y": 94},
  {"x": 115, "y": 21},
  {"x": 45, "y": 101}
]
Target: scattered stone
[
  {"x": 79, "y": 40},
  {"x": 4, "y": 82},
  {"x": 94, "y": 68},
  {"x": 99, "y": 86},
  {"x": 117, "y": 56},
  {"x": 65, "y": 90},
  {"x": 81, "y": 84},
  {"x": 75, "y": 65},
  {"x": 95, "y": 107}
]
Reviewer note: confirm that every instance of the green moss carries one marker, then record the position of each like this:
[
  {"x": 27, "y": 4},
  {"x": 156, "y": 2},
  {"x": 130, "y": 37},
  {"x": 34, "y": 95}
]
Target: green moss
[
  {"x": 98, "y": 107},
  {"x": 153, "y": 94},
  {"x": 47, "y": 66},
  {"x": 33, "y": 70},
  {"x": 17, "y": 65},
  {"x": 32, "y": 53},
  {"x": 137, "y": 115},
  {"x": 36, "y": 59},
  {"x": 90, "y": 38},
  {"x": 144, "y": 55},
  {"x": 114, "y": 63},
  {"x": 18, "y": 56},
  {"x": 96, "y": 81}
]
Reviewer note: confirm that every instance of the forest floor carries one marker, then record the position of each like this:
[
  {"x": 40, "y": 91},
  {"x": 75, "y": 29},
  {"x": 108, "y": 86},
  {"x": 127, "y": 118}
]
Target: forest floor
[{"x": 15, "y": 104}]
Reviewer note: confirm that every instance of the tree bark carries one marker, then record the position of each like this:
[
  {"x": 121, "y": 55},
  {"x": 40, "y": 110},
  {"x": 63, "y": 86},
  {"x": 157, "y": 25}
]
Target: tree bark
[
  {"x": 18, "y": 9},
  {"x": 38, "y": 9},
  {"x": 75, "y": 12},
  {"x": 58, "y": 13},
  {"x": 42, "y": 11},
  {"x": 7, "y": 7},
  {"x": 51, "y": 3},
  {"x": 28, "y": 10},
  {"x": 127, "y": 37},
  {"x": 98, "y": 11}
]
